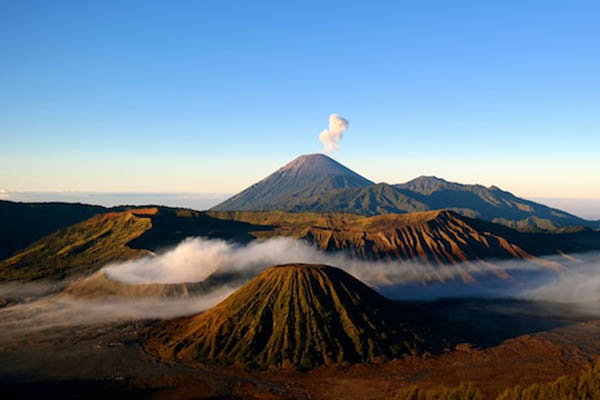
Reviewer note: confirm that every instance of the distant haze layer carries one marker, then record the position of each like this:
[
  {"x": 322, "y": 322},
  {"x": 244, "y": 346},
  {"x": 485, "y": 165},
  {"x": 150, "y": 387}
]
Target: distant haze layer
[
  {"x": 584, "y": 208},
  {"x": 588, "y": 208},
  {"x": 196, "y": 201}
]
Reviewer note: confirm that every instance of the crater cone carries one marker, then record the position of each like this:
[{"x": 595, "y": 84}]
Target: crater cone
[{"x": 293, "y": 315}]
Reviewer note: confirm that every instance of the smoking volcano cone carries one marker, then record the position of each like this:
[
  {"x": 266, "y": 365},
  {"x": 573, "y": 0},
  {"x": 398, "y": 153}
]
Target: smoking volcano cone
[{"x": 293, "y": 315}]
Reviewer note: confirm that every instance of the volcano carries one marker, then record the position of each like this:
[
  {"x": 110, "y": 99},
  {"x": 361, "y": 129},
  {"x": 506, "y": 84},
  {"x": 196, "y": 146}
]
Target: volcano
[
  {"x": 292, "y": 315},
  {"x": 305, "y": 177},
  {"x": 317, "y": 183}
]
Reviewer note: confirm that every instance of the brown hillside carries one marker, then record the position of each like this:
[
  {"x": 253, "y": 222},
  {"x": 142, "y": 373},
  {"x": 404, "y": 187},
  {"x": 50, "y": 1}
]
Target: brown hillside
[
  {"x": 100, "y": 286},
  {"x": 434, "y": 237},
  {"x": 431, "y": 237},
  {"x": 291, "y": 315},
  {"x": 83, "y": 248}
]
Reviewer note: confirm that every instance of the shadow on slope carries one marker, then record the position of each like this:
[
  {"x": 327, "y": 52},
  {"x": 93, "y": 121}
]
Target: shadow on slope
[
  {"x": 24, "y": 223},
  {"x": 171, "y": 226},
  {"x": 488, "y": 322}
]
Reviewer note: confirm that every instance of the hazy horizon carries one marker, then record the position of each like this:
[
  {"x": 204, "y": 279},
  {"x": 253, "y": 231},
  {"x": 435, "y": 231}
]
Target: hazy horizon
[{"x": 588, "y": 208}]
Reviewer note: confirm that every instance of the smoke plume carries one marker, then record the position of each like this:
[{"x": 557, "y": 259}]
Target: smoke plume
[{"x": 331, "y": 137}]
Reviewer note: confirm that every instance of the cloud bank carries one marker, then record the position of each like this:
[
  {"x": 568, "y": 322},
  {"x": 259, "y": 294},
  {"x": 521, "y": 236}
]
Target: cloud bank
[
  {"x": 331, "y": 137},
  {"x": 195, "y": 259},
  {"x": 578, "y": 284},
  {"x": 56, "y": 313}
]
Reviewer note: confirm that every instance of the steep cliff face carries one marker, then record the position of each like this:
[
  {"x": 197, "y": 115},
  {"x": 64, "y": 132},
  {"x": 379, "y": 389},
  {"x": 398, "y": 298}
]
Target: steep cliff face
[{"x": 434, "y": 238}]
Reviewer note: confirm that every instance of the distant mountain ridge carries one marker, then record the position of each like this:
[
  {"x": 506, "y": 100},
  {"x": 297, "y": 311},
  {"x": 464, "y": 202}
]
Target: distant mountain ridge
[
  {"x": 488, "y": 203},
  {"x": 316, "y": 183}
]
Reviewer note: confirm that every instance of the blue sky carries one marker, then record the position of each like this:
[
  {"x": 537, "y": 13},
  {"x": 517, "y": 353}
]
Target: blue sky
[{"x": 206, "y": 96}]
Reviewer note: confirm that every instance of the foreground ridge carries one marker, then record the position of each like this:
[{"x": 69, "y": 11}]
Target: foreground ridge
[{"x": 292, "y": 315}]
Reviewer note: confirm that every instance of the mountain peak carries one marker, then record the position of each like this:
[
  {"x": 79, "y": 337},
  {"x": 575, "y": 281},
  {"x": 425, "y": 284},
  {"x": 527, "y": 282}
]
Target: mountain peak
[
  {"x": 297, "y": 315},
  {"x": 430, "y": 179},
  {"x": 308, "y": 157},
  {"x": 427, "y": 184},
  {"x": 303, "y": 177},
  {"x": 316, "y": 164}
]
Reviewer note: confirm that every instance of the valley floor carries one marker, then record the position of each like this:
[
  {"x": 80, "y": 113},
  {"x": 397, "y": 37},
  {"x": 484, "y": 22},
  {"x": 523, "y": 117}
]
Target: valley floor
[{"x": 511, "y": 342}]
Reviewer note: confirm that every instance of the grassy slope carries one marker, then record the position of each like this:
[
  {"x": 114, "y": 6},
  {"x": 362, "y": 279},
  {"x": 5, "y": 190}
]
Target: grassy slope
[
  {"x": 83, "y": 248},
  {"x": 584, "y": 386},
  {"x": 24, "y": 223},
  {"x": 77, "y": 250},
  {"x": 293, "y": 315}
]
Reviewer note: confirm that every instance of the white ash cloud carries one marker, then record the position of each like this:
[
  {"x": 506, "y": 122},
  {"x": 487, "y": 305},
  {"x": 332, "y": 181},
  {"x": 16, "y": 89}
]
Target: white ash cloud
[{"x": 331, "y": 137}]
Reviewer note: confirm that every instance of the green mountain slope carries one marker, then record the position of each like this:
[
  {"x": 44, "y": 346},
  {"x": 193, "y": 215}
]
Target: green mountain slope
[
  {"x": 77, "y": 250},
  {"x": 83, "y": 248},
  {"x": 491, "y": 204},
  {"x": 24, "y": 223},
  {"x": 374, "y": 199}
]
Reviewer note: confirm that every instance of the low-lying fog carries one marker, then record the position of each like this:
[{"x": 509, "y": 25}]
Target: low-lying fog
[
  {"x": 48, "y": 313},
  {"x": 557, "y": 278},
  {"x": 577, "y": 282}
]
